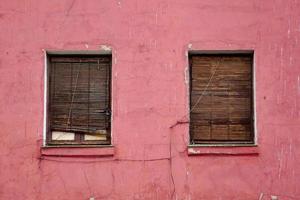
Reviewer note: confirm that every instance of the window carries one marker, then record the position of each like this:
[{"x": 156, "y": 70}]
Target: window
[
  {"x": 221, "y": 98},
  {"x": 78, "y": 100}
]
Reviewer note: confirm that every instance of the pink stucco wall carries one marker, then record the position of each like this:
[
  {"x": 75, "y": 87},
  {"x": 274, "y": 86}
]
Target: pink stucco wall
[{"x": 149, "y": 41}]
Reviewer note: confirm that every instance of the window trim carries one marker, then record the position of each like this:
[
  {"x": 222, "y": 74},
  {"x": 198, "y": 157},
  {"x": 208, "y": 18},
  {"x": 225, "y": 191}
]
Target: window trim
[
  {"x": 254, "y": 142},
  {"x": 47, "y": 55},
  {"x": 77, "y": 151},
  {"x": 225, "y": 150}
]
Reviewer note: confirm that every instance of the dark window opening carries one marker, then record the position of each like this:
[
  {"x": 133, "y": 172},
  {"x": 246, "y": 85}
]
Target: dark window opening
[
  {"x": 79, "y": 101},
  {"x": 221, "y": 98}
]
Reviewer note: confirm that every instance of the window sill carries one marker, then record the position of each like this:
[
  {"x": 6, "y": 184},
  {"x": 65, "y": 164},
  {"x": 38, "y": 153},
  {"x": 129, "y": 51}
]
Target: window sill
[
  {"x": 78, "y": 151},
  {"x": 234, "y": 150}
]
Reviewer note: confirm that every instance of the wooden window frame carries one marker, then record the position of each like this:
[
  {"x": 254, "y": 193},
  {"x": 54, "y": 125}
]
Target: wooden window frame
[
  {"x": 79, "y": 137},
  {"x": 252, "y": 99}
]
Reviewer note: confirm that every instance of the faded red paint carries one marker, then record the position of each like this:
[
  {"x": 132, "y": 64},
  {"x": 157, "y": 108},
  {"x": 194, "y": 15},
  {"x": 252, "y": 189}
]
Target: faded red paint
[{"x": 149, "y": 40}]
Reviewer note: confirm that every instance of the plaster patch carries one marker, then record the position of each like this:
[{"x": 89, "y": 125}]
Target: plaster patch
[
  {"x": 193, "y": 151},
  {"x": 274, "y": 197},
  {"x": 186, "y": 75},
  {"x": 105, "y": 47},
  {"x": 186, "y": 53}
]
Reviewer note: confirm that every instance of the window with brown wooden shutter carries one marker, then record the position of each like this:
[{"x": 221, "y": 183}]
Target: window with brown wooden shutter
[
  {"x": 221, "y": 98},
  {"x": 79, "y": 99}
]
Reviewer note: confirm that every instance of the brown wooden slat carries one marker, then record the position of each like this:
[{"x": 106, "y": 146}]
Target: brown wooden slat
[
  {"x": 221, "y": 98},
  {"x": 79, "y": 97},
  {"x": 103, "y": 60}
]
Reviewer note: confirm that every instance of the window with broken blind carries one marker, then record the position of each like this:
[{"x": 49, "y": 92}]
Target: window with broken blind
[
  {"x": 79, "y": 100},
  {"x": 221, "y": 99}
]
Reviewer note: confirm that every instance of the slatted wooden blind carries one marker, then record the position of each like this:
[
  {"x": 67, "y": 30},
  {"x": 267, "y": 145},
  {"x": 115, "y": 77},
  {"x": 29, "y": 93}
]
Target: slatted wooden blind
[
  {"x": 221, "y": 98},
  {"x": 79, "y": 96}
]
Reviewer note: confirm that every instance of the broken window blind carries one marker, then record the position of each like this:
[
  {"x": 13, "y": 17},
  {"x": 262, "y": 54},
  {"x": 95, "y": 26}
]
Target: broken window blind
[
  {"x": 79, "y": 96},
  {"x": 221, "y": 98}
]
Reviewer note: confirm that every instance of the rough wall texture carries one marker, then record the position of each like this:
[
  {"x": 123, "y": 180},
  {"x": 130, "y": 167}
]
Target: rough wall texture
[{"x": 149, "y": 40}]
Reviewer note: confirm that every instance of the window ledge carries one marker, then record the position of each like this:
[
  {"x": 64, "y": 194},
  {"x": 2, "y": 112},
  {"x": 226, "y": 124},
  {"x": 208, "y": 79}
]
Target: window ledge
[
  {"x": 77, "y": 151},
  {"x": 223, "y": 150}
]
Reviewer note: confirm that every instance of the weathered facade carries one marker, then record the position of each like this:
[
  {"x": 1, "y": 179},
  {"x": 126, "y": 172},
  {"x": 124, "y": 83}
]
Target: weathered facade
[{"x": 150, "y": 42}]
